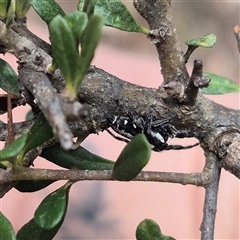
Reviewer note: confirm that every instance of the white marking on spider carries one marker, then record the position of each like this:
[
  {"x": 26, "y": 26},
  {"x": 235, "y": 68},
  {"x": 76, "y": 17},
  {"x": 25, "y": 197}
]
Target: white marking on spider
[
  {"x": 114, "y": 120},
  {"x": 158, "y": 136}
]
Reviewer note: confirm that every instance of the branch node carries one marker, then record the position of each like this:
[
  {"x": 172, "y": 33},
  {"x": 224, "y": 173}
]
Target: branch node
[{"x": 158, "y": 35}]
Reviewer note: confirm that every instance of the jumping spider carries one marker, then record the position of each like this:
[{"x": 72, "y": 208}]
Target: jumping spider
[{"x": 157, "y": 132}]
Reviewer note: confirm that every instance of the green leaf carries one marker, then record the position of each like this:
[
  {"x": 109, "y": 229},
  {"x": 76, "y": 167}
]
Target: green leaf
[
  {"x": 10, "y": 152},
  {"x": 132, "y": 159},
  {"x": 90, "y": 40},
  {"x": 11, "y": 13},
  {"x": 6, "y": 230},
  {"x": 47, "y": 9},
  {"x": 22, "y": 7},
  {"x": 207, "y": 41},
  {"x": 80, "y": 5},
  {"x": 29, "y": 115},
  {"x": 80, "y": 158},
  {"x": 39, "y": 133},
  {"x": 87, "y": 6},
  {"x": 220, "y": 85},
  {"x": 65, "y": 52},
  {"x": 4, "y": 5},
  {"x": 77, "y": 22},
  {"x": 52, "y": 209},
  {"x": 8, "y": 77},
  {"x": 31, "y": 231},
  {"x": 32, "y": 185},
  {"x": 117, "y": 15},
  {"x": 148, "y": 230}
]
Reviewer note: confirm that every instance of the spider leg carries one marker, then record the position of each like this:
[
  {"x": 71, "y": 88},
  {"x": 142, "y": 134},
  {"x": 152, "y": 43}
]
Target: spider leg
[
  {"x": 180, "y": 147},
  {"x": 148, "y": 123},
  {"x": 116, "y": 137},
  {"x": 161, "y": 122}
]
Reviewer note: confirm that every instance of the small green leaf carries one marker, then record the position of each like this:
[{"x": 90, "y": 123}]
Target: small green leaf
[
  {"x": 220, "y": 85},
  {"x": 88, "y": 7},
  {"x": 22, "y": 7},
  {"x": 89, "y": 42},
  {"x": 31, "y": 231},
  {"x": 32, "y": 185},
  {"x": 132, "y": 159},
  {"x": 80, "y": 158},
  {"x": 4, "y": 5},
  {"x": 52, "y": 209},
  {"x": 47, "y": 9},
  {"x": 77, "y": 22},
  {"x": 80, "y": 5},
  {"x": 8, "y": 77},
  {"x": 11, "y": 13},
  {"x": 6, "y": 230},
  {"x": 65, "y": 52},
  {"x": 39, "y": 133},
  {"x": 117, "y": 15},
  {"x": 148, "y": 230},
  {"x": 10, "y": 152},
  {"x": 207, "y": 41}
]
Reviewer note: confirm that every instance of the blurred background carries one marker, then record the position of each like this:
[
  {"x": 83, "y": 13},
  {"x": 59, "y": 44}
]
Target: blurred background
[{"x": 112, "y": 210}]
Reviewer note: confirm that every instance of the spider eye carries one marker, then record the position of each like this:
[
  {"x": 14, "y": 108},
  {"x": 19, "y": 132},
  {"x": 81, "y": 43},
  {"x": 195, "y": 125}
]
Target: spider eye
[
  {"x": 125, "y": 122},
  {"x": 134, "y": 125}
]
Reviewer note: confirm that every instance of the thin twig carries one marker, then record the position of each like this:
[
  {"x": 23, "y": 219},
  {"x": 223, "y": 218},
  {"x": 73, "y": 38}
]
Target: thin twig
[
  {"x": 197, "y": 179},
  {"x": 49, "y": 102},
  {"x": 211, "y": 195},
  {"x": 237, "y": 35},
  {"x": 10, "y": 137}
]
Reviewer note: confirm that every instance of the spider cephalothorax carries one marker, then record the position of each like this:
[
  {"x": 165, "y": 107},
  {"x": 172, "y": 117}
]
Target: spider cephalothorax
[{"x": 156, "y": 131}]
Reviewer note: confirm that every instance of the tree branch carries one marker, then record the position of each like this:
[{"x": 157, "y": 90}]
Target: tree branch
[
  {"x": 158, "y": 14},
  {"x": 197, "y": 179},
  {"x": 205, "y": 122},
  {"x": 49, "y": 102},
  {"x": 227, "y": 148},
  {"x": 211, "y": 195}
]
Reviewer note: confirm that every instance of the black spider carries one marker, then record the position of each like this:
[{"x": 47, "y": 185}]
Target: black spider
[{"x": 157, "y": 132}]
